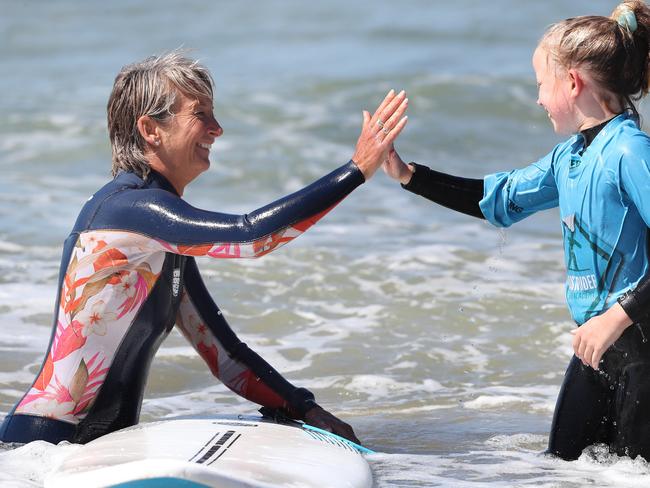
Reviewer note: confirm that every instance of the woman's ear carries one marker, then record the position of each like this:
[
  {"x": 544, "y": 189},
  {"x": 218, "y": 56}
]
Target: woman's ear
[{"x": 148, "y": 129}]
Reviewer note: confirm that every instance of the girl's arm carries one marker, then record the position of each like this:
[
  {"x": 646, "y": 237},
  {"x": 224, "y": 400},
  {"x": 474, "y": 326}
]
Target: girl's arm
[{"x": 453, "y": 192}]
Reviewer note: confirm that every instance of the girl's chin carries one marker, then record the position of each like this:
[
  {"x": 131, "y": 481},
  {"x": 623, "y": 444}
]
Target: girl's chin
[{"x": 562, "y": 131}]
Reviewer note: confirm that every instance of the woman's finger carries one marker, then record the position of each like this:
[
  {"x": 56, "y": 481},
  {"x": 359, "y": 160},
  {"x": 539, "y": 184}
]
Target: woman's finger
[
  {"x": 384, "y": 113},
  {"x": 366, "y": 119},
  {"x": 395, "y": 131},
  {"x": 397, "y": 115},
  {"x": 385, "y": 102}
]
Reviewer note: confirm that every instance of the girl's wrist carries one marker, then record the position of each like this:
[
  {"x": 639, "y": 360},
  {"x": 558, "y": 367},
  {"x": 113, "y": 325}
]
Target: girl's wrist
[
  {"x": 407, "y": 174},
  {"x": 618, "y": 317}
]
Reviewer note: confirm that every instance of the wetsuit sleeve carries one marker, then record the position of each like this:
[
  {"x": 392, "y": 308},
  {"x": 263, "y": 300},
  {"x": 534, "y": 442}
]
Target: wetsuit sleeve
[
  {"x": 183, "y": 229},
  {"x": 636, "y": 302},
  {"x": 512, "y": 196},
  {"x": 454, "y": 192},
  {"x": 231, "y": 360},
  {"x": 635, "y": 185}
]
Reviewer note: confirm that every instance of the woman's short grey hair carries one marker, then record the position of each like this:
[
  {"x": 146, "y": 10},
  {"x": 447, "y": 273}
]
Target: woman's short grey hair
[{"x": 149, "y": 88}]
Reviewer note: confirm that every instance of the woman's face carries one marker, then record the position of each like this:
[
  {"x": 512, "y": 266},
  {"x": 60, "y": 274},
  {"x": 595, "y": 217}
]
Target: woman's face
[
  {"x": 554, "y": 86},
  {"x": 186, "y": 139}
]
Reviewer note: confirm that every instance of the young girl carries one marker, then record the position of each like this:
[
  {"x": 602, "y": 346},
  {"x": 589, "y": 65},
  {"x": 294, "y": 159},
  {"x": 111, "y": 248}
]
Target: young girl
[{"x": 589, "y": 71}]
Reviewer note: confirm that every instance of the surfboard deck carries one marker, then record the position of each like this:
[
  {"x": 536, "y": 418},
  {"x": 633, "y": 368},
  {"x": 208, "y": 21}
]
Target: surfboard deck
[{"x": 223, "y": 452}]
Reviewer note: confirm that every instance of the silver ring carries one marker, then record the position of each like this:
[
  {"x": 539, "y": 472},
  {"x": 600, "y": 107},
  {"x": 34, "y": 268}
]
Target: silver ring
[
  {"x": 380, "y": 123},
  {"x": 385, "y": 130}
]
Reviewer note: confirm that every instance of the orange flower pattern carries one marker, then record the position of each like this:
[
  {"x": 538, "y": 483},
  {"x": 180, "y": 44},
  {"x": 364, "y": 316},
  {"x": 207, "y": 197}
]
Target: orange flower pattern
[
  {"x": 234, "y": 374},
  {"x": 109, "y": 277}
]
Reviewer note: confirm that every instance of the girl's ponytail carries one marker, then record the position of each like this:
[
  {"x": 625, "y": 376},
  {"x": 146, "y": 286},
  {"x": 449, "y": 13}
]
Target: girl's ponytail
[{"x": 633, "y": 20}]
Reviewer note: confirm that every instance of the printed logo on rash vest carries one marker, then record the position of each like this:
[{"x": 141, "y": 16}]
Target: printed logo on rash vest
[
  {"x": 578, "y": 279},
  {"x": 591, "y": 268},
  {"x": 582, "y": 283}
]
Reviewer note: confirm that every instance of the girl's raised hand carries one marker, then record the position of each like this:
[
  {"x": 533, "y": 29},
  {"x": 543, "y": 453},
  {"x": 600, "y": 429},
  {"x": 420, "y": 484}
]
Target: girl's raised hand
[{"x": 396, "y": 168}]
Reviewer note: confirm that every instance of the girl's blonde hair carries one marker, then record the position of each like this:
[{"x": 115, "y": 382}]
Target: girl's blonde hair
[
  {"x": 612, "y": 50},
  {"x": 149, "y": 88}
]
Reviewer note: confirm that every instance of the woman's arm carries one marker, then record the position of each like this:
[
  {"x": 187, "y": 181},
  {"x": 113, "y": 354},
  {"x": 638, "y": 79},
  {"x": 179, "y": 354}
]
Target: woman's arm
[
  {"x": 239, "y": 367},
  {"x": 184, "y": 229}
]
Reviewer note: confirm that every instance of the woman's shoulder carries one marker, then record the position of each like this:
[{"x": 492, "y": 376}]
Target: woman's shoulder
[{"x": 128, "y": 202}]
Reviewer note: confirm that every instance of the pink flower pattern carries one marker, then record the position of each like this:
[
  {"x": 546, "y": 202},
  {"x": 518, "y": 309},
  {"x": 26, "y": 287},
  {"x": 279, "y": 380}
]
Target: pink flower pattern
[{"x": 108, "y": 278}]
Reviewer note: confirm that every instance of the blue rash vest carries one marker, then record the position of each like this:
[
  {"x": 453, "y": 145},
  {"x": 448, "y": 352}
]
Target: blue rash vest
[{"x": 603, "y": 193}]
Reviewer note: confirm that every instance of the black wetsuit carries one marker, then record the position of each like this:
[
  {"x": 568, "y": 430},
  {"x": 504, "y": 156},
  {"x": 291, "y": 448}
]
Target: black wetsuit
[
  {"x": 127, "y": 276},
  {"x": 611, "y": 405}
]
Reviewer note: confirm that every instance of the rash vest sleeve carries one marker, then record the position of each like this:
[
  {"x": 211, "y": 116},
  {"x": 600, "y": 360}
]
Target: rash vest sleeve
[
  {"x": 183, "y": 229},
  {"x": 634, "y": 168},
  {"x": 231, "y": 360},
  {"x": 512, "y": 196}
]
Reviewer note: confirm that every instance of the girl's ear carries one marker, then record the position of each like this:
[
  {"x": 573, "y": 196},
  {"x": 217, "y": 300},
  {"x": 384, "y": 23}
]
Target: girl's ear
[
  {"x": 577, "y": 82},
  {"x": 148, "y": 129}
]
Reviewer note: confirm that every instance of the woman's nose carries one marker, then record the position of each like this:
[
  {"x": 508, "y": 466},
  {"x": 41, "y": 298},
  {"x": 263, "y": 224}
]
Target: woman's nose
[{"x": 215, "y": 128}]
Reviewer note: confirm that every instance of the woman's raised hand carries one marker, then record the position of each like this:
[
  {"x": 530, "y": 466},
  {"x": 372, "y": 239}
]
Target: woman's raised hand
[{"x": 379, "y": 132}]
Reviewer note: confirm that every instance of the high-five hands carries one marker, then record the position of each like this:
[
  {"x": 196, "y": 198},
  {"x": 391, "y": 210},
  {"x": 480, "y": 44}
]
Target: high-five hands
[{"x": 379, "y": 132}]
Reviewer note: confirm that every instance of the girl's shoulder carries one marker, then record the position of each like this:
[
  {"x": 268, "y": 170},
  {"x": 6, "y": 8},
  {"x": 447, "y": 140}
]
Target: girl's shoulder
[{"x": 630, "y": 141}]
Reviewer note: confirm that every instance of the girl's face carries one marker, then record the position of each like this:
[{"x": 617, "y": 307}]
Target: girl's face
[{"x": 555, "y": 85}]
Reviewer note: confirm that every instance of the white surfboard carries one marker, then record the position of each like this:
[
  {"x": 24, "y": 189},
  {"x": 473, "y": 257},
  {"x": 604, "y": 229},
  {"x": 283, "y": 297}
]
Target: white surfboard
[{"x": 223, "y": 452}]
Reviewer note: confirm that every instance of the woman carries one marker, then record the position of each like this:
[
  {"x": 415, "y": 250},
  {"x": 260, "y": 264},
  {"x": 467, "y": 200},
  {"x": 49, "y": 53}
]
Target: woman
[{"x": 128, "y": 272}]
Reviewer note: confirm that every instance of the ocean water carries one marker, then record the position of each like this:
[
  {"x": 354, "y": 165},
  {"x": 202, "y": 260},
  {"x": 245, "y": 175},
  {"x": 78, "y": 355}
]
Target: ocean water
[{"x": 442, "y": 340}]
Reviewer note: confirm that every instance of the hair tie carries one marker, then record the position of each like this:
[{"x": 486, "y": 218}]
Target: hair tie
[{"x": 627, "y": 19}]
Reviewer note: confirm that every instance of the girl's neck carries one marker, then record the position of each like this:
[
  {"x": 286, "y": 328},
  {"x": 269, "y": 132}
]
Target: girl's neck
[
  {"x": 596, "y": 120},
  {"x": 592, "y": 111},
  {"x": 590, "y": 133}
]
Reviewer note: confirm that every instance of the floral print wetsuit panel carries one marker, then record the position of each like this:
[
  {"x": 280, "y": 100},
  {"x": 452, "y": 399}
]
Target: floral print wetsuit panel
[{"x": 127, "y": 276}]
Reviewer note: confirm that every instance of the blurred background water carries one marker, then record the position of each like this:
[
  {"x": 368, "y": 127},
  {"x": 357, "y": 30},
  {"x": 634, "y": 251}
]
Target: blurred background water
[{"x": 442, "y": 340}]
